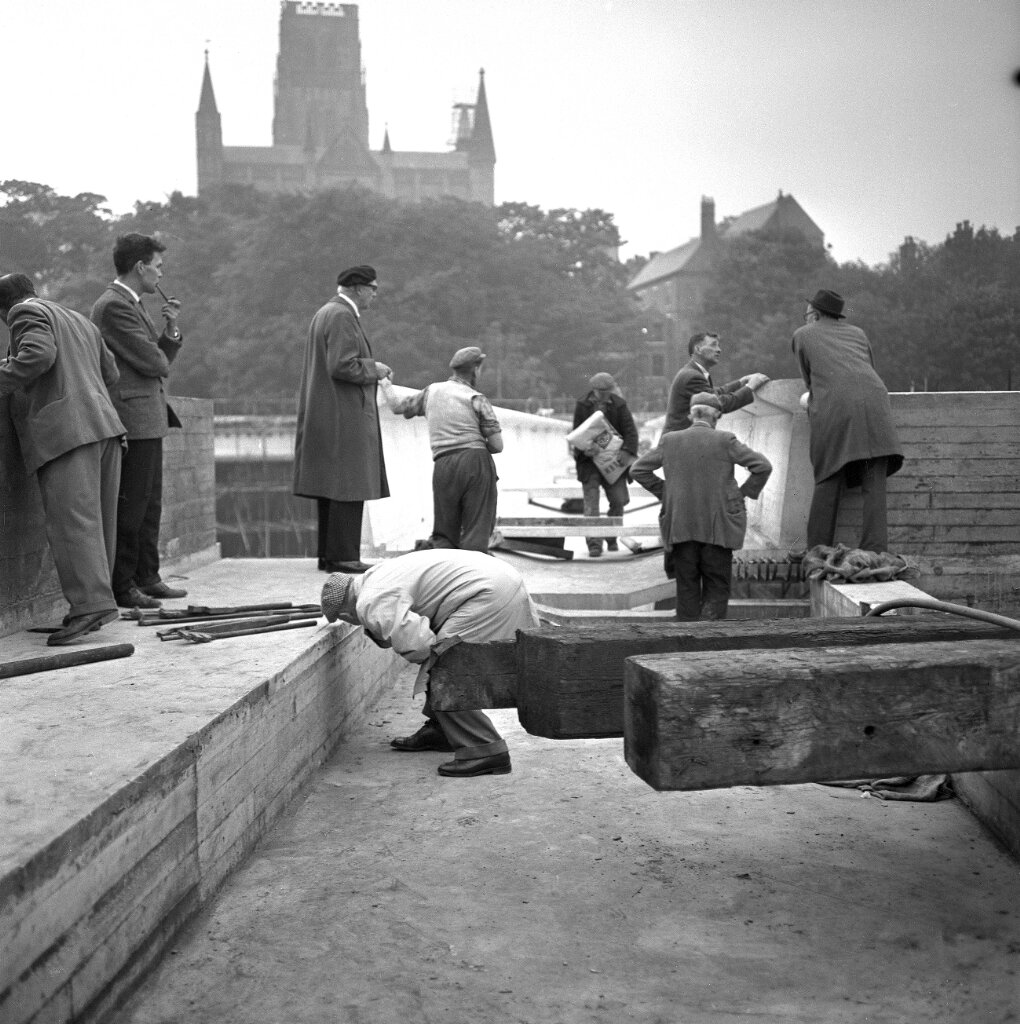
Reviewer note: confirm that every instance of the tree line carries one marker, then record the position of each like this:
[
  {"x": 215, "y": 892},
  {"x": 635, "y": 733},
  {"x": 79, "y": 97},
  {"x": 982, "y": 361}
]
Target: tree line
[{"x": 541, "y": 292}]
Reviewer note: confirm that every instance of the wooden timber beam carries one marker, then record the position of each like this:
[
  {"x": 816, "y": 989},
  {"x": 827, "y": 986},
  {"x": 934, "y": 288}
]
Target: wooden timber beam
[
  {"x": 567, "y": 681},
  {"x": 760, "y": 718}
]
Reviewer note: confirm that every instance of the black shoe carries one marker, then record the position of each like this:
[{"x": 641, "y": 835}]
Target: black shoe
[
  {"x": 612, "y": 545},
  {"x": 79, "y": 625},
  {"x": 428, "y": 737},
  {"x": 351, "y": 567},
  {"x": 322, "y": 565},
  {"x": 497, "y": 764},
  {"x": 161, "y": 590},
  {"x": 134, "y": 598}
]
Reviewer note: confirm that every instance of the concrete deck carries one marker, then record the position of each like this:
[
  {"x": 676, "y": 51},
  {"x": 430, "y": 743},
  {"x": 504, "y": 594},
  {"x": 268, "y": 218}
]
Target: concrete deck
[
  {"x": 565, "y": 892},
  {"x": 569, "y": 892}
]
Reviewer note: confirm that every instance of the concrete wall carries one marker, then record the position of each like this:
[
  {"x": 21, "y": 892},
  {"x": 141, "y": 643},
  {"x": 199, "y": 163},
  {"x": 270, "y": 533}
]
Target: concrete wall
[
  {"x": 29, "y": 589},
  {"x": 535, "y": 453}
]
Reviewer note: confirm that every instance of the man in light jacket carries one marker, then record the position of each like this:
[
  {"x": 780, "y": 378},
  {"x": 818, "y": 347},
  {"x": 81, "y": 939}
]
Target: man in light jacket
[
  {"x": 70, "y": 437},
  {"x": 703, "y": 519},
  {"x": 419, "y": 605}
]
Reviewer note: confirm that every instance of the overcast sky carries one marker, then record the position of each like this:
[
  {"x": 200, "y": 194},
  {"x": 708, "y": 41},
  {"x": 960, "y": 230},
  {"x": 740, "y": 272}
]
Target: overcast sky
[{"x": 884, "y": 118}]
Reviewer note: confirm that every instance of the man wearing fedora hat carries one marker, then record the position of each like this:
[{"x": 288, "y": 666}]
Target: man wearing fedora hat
[
  {"x": 703, "y": 519},
  {"x": 338, "y": 455},
  {"x": 463, "y": 434},
  {"x": 853, "y": 440}
]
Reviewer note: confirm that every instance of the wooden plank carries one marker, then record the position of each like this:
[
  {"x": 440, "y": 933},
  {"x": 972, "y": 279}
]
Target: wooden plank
[
  {"x": 564, "y": 521},
  {"x": 706, "y": 721},
  {"x": 630, "y": 530},
  {"x": 570, "y": 678},
  {"x": 467, "y": 671},
  {"x": 941, "y": 484},
  {"x": 839, "y": 600},
  {"x": 942, "y": 501},
  {"x": 532, "y": 547}
]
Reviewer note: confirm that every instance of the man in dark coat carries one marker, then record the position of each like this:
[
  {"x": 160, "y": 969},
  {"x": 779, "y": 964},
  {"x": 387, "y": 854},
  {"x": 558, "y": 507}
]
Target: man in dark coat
[
  {"x": 695, "y": 378},
  {"x": 604, "y": 397},
  {"x": 853, "y": 440},
  {"x": 143, "y": 356},
  {"x": 703, "y": 519},
  {"x": 70, "y": 438},
  {"x": 338, "y": 454}
]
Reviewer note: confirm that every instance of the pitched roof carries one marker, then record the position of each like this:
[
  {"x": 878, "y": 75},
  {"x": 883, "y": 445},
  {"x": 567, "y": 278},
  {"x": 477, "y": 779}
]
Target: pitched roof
[{"x": 665, "y": 264}]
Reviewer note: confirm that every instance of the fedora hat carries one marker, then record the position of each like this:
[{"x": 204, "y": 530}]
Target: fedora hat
[{"x": 829, "y": 303}]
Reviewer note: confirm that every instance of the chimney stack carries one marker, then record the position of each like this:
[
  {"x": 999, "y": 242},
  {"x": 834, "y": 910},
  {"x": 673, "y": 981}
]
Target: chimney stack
[{"x": 708, "y": 236}]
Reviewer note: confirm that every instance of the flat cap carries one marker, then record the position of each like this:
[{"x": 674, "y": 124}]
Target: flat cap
[
  {"x": 466, "y": 357},
  {"x": 706, "y": 398},
  {"x": 356, "y": 275},
  {"x": 602, "y": 382},
  {"x": 334, "y": 595}
]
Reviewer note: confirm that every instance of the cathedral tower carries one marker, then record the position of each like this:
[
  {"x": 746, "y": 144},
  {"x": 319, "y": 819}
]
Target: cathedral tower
[
  {"x": 319, "y": 91},
  {"x": 208, "y": 135}
]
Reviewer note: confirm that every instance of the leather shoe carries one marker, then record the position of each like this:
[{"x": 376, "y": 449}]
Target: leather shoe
[
  {"x": 428, "y": 737},
  {"x": 134, "y": 598},
  {"x": 78, "y": 625},
  {"x": 496, "y": 764},
  {"x": 162, "y": 591},
  {"x": 353, "y": 567}
]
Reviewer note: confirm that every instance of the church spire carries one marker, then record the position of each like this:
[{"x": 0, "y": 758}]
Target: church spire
[
  {"x": 207, "y": 100},
  {"x": 482, "y": 148},
  {"x": 386, "y": 147}
]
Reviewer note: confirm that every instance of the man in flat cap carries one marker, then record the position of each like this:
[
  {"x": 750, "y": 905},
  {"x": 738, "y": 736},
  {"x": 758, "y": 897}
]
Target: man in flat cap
[
  {"x": 703, "y": 519},
  {"x": 604, "y": 397},
  {"x": 422, "y": 603},
  {"x": 853, "y": 439},
  {"x": 338, "y": 455},
  {"x": 695, "y": 377},
  {"x": 463, "y": 434}
]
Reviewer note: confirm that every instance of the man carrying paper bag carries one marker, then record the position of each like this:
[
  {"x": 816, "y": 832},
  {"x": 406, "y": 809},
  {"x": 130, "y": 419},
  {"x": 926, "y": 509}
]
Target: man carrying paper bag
[{"x": 605, "y": 442}]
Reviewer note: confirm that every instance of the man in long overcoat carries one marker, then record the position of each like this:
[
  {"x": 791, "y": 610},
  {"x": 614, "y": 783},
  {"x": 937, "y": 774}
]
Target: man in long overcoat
[
  {"x": 703, "y": 519},
  {"x": 70, "y": 439},
  {"x": 853, "y": 440},
  {"x": 338, "y": 454}
]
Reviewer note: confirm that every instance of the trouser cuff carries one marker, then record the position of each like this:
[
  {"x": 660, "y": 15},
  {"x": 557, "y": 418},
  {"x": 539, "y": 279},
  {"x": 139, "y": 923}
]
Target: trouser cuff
[{"x": 482, "y": 750}]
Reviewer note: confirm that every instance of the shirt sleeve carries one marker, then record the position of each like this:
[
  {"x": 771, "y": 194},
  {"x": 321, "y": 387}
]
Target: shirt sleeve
[
  {"x": 487, "y": 422},
  {"x": 643, "y": 471},
  {"x": 411, "y": 405},
  {"x": 33, "y": 348},
  {"x": 389, "y": 617}
]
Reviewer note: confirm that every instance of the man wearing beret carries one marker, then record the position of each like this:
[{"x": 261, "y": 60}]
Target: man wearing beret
[
  {"x": 338, "y": 456},
  {"x": 703, "y": 519},
  {"x": 420, "y": 605},
  {"x": 853, "y": 440},
  {"x": 604, "y": 397},
  {"x": 696, "y": 377},
  {"x": 463, "y": 434}
]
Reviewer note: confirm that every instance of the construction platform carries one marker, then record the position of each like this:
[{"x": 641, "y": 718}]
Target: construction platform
[{"x": 133, "y": 789}]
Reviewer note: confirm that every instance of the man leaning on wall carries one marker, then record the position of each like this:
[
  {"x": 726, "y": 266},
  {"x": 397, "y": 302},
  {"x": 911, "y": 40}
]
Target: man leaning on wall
[{"x": 70, "y": 438}]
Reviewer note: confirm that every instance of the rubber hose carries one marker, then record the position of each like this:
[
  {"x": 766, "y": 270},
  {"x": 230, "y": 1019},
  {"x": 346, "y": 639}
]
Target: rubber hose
[{"x": 945, "y": 606}]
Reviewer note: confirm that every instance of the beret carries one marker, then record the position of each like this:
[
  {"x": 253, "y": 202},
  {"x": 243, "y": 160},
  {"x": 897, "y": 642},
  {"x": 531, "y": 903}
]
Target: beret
[
  {"x": 356, "y": 275},
  {"x": 466, "y": 357}
]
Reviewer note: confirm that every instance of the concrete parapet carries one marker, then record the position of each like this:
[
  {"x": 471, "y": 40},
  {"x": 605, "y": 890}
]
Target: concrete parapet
[{"x": 132, "y": 788}]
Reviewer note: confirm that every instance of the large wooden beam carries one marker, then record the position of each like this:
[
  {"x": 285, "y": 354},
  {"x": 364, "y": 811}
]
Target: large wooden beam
[
  {"x": 567, "y": 682},
  {"x": 758, "y": 718}
]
